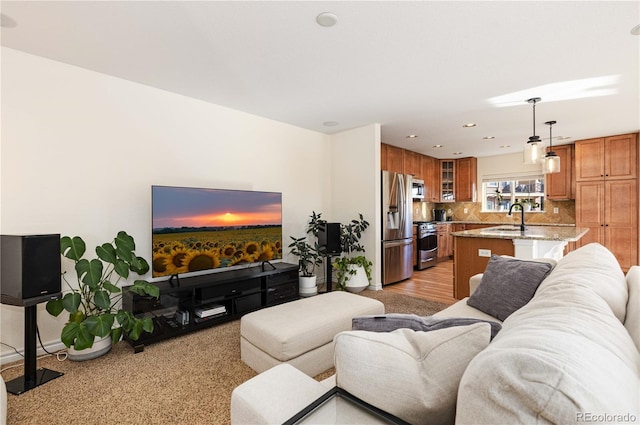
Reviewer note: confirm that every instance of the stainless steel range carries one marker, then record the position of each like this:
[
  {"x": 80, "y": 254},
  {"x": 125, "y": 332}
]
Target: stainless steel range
[{"x": 427, "y": 244}]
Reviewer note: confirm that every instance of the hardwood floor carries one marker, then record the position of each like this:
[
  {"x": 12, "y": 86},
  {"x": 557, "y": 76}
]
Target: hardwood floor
[{"x": 434, "y": 283}]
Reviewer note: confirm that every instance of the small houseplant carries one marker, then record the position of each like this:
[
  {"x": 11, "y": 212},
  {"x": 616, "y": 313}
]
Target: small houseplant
[
  {"x": 354, "y": 272},
  {"x": 308, "y": 259},
  {"x": 92, "y": 304}
]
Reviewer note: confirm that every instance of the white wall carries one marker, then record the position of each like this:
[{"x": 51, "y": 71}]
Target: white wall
[
  {"x": 80, "y": 151},
  {"x": 355, "y": 187}
]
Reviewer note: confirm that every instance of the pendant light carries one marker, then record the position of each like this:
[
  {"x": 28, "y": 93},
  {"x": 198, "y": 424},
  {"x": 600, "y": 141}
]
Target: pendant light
[
  {"x": 551, "y": 162},
  {"x": 533, "y": 150}
]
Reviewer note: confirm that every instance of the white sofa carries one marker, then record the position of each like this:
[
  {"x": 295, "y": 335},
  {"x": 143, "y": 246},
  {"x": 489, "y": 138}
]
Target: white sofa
[{"x": 570, "y": 355}]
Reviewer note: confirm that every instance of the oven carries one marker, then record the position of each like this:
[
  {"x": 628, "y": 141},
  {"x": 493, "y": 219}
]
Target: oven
[{"x": 427, "y": 244}]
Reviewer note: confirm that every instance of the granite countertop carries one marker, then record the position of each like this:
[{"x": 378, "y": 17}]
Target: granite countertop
[
  {"x": 548, "y": 233},
  {"x": 503, "y": 223}
]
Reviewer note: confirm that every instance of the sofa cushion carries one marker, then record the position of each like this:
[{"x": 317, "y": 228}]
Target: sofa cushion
[
  {"x": 593, "y": 266},
  {"x": 507, "y": 284},
  {"x": 393, "y": 321},
  {"x": 632, "y": 318},
  {"x": 412, "y": 375},
  {"x": 561, "y": 357}
]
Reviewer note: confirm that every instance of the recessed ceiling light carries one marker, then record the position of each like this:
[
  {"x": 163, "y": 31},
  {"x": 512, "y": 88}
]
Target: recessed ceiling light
[
  {"x": 505, "y": 146},
  {"x": 635, "y": 30},
  {"x": 326, "y": 19},
  {"x": 330, "y": 123},
  {"x": 457, "y": 153},
  {"x": 471, "y": 124},
  {"x": 412, "y": 136},
  {"x": 488, "y": 137},
  {"x": 563, "y": 137},
  {"x": 437, "y": 146}
]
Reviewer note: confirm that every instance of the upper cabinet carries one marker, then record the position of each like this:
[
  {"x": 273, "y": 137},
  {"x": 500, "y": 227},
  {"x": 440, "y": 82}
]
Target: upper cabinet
[
  {"x": 431, "y": 176},
  {"x": 391, "y": 158},
  {"x": 465, "y": 179},
  {"x": 458, "y": 179},
  {"x": 412, "y": 163},
  {"x": 447, "y": 180},
  {"x": 561, "y": 186},
  {"x": 608, "y": 158}
]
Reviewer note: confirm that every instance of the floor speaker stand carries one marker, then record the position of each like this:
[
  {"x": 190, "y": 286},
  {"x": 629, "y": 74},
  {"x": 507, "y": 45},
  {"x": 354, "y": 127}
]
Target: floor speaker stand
[{"x": 32, "y": 377}]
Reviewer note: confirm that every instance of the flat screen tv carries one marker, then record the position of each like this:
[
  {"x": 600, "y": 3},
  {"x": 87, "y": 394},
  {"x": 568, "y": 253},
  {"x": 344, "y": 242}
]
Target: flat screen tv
[{"x": 198, "y": 229}]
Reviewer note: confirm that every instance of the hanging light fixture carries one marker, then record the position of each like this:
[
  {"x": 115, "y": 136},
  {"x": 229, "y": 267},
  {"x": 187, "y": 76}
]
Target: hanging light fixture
[
  {"x": 533, "y": 151},
  {"x": 551, "y": 162}
]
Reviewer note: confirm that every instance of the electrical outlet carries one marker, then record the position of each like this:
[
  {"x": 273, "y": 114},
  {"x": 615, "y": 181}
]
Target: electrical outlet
[
  {"x": 466, "y": 210},
  {"x": 556, "y": 210},
  {"x": 484, "y": 253}
]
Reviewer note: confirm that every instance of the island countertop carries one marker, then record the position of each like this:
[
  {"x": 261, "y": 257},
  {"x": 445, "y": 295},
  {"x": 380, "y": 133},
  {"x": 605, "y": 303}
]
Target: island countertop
[{"x": 549, "y": 233}]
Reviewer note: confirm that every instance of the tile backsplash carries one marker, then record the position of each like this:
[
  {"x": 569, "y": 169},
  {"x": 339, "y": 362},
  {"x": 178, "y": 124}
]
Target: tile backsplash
[{"x": 422, "y": 211}]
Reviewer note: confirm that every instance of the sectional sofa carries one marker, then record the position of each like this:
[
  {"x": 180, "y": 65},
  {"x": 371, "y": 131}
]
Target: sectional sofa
[{"x": 570, "y": 354}]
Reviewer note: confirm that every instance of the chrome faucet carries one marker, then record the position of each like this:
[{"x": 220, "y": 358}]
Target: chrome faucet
[{"x": 521, "y": 210}]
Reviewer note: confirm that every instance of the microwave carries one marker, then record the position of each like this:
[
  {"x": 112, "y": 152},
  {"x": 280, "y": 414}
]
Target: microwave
[{"x": 417, "y": 189}]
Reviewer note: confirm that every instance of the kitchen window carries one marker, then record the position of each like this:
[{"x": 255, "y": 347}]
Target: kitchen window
[{"x": 500, "y": 192}]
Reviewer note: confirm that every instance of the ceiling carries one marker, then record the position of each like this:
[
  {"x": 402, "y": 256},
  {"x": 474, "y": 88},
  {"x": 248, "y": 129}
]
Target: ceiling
[{"x": 416, "y": 67}]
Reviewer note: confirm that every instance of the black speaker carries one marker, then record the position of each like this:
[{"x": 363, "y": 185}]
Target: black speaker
[
  {"x": 329, "y": 238},
  {"x": 29, "y": 268}
]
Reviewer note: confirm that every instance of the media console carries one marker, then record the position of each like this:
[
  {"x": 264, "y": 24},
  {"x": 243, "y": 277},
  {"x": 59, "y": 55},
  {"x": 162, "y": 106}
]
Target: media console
[{"x": 193, "y": 303}]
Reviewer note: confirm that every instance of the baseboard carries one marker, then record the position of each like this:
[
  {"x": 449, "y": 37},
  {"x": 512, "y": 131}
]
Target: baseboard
[{"x": 12, "y": 356}]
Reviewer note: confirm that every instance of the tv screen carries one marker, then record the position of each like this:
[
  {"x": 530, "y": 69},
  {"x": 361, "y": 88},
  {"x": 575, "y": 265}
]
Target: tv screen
[{"x": 196, "y": 229}]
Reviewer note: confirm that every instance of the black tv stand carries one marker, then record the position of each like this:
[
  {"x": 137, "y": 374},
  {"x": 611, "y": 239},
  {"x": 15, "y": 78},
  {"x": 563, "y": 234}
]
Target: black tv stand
[{"x": 189, "y": 304}]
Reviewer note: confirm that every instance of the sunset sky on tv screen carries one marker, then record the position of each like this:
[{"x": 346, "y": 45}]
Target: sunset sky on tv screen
[{"x": 191, "y": 207}]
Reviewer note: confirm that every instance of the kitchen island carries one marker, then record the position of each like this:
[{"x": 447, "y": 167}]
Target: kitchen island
[{"x": 473, "y": 248}]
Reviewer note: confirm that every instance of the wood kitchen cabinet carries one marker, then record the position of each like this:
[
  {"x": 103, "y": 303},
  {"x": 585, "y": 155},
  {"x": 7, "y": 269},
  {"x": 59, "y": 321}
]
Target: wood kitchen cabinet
[
  {"x": 466, "y": 175},
  {"x": 445, "y": 241},
  {"x": 430, "y": 175},
  {"x": 607, "y": 194},
  {"x": 391, "y": 158},
  {"x": 447, "y": 180},
  {"x": 412, "y": 163},
  {"x": 610, "y": 210},
  {"x": 561, "y": 186},
  {"x": 612, "y": 157}
]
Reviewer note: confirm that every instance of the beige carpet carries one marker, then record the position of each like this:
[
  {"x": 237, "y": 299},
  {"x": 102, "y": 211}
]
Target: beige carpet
[{"x": 185, "y": 380}]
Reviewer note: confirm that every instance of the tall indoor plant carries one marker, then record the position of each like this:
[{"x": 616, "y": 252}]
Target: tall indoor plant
[{"x": 92, "y": 304}]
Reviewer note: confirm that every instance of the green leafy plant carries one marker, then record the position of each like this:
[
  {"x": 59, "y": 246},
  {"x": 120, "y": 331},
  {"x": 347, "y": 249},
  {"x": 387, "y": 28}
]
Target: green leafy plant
[
  {"x": 342, "y": 265},
  {"x": 308, "y": 256},
  {"x": 92, "y": 304},
  {"x": 351, "y": 233}
]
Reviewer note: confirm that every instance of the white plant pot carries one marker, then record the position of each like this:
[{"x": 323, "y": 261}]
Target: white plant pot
[
  {"x": 357, "y": 282},
  {"x": 100, "y": 347},
  {"x": 308, "y": 286}
]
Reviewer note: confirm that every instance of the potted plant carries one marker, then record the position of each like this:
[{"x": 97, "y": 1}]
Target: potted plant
[
  {"x": 354, "y": 272},
  {"x": 94, "y": 318},
  {"x": 308, "y": 259}
]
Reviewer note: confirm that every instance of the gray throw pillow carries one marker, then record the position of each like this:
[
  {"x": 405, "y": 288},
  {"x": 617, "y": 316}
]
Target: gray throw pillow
[
  {"x": 508, "y": 284},
  {"x": 391, "y": 322}
]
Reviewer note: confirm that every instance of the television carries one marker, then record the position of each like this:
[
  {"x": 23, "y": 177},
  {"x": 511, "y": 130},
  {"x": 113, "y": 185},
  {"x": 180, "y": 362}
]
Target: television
[{"x": 195, "y": 230}]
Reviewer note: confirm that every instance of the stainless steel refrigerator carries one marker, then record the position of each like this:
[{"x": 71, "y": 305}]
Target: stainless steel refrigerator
[{"x": 397, "y": 232}]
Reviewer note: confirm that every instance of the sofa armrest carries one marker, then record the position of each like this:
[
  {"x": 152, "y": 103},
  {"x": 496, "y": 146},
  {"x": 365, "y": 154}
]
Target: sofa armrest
[
  {"x": 274, "y": 396},
  {"x": 474, "y": 281}
]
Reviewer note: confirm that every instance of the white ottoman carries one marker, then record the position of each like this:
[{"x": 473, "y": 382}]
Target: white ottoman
[{"x": 301, "y": 332}]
